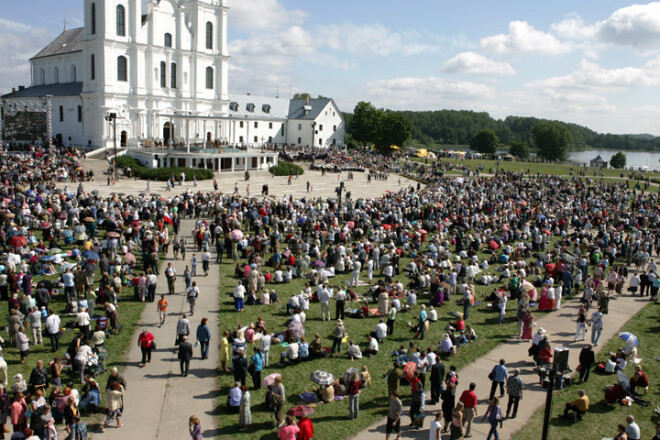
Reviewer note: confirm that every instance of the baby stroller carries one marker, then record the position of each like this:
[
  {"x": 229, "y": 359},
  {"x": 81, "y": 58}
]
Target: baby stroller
[{"x": 96, "y": 365}]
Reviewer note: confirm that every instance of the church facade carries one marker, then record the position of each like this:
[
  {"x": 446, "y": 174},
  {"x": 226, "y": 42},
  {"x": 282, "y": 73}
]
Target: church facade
[{"x": 157, "y": 73}]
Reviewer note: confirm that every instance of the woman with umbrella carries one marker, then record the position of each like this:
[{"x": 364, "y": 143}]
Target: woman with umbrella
[{"x": 305, "y": 425}]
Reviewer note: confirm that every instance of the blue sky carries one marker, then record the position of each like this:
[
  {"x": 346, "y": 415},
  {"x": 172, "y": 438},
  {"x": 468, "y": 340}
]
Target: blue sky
[{"x": 593, "y": 62}]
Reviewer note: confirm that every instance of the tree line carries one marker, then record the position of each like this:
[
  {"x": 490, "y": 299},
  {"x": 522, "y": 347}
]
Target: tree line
[{"x": 459, "y": 127}]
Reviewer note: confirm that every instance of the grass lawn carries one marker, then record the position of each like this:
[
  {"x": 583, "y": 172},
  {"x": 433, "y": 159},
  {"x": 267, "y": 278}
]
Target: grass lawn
[
  {"x": 331, "y": 420},
  {"x": 602, "y": 419}
]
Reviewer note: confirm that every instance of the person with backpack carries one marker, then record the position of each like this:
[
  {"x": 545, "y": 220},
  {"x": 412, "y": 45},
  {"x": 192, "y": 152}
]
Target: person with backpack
[{"x": 191, "y": 296}]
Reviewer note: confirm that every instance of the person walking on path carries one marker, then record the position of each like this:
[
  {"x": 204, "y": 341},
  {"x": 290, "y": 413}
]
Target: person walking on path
[
  {"x": 581, "y": 324},
  {"x": 394, "y": 414},
  {"x": 145, "y": 342},
  {"x": 494, "y": 415},
  {"x": 203, "y": 336},
  {"x": 195, "y": 428},
  {"x": 182, "y": 328},
  {"x": 170, "y": 274},
  {"x": 185, "y": 354},
  {"x": 436, "y": 427},
  {"x": 587, "y": 359},
  {"x": 498, "y": 377},
  {"x": 596, "y": 326},
  {"x": 191, "y": 295},
  {"x": 515, "y": 387},
  {"x": 469, "y": 401},
  {"x": 162, "y": 310},
  {"x": 457, "y": 422}
]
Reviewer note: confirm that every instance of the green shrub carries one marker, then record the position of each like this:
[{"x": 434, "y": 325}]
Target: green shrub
[
  {"x": 286, "y": 168},
  {"x": 162, "y": 174}
]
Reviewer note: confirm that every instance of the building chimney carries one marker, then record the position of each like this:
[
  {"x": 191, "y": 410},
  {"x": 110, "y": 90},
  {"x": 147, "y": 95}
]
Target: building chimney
[
  {"x": 13, "y": 89},
  {"x": 307, "y": 100},
  {"x": 21, "y": 88},
  {"x": 248, "y": 94}
]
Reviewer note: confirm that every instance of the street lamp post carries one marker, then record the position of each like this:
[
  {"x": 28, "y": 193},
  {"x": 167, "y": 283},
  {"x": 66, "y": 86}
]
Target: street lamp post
[{"x": 112, "y": 118}]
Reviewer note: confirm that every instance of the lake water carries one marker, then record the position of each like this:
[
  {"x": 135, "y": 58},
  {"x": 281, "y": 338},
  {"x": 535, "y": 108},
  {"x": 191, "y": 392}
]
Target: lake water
[{"x": 634, "y": 159}]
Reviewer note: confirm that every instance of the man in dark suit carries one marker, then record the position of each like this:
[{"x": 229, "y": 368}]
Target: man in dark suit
[
  {"x": 185, "y": 354},
  {"x": 437, "y": 375},
  {"x": 587, "y": 359}
]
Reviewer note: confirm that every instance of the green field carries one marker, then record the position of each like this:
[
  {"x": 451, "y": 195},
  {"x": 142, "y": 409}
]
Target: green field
[
  {"x": 602, "y": 418},
  {"x": 296, "y": 378}
]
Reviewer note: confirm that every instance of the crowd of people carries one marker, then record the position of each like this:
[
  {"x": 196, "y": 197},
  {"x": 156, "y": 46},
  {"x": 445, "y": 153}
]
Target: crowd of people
[{"x": 538, "y": 240}]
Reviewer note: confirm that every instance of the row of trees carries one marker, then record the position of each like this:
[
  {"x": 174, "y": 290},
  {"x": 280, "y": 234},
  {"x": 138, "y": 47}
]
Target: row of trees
[
  {"x": 458, "y": 127},
  {"x": 551, "y": 139}
]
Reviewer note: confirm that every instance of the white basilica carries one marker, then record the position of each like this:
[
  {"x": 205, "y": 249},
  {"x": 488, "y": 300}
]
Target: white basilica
[{"x": 161, "y": 67}]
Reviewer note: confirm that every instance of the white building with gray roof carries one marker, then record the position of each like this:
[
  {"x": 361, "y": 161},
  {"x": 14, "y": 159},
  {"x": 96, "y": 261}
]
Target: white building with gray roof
[{"x": 161, "y": 67}]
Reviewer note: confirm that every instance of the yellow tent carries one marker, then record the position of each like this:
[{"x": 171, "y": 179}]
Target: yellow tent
[{"x": 422, "y": 152}]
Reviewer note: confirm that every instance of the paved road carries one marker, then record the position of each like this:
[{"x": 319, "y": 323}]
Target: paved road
[
  {"x": 158, "y": 401},
  {"x": 560, "y": 327}
]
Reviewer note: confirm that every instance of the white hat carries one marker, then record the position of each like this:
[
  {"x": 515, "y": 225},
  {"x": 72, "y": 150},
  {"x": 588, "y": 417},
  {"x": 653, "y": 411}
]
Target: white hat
[{"x": 541, "y": 330}]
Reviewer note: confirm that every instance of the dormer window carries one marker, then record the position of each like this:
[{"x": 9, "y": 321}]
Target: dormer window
[
  {"x": 265, "y": 108},
  {"x": 250, "y": 107},
  {"x": 233, "y": 106}
]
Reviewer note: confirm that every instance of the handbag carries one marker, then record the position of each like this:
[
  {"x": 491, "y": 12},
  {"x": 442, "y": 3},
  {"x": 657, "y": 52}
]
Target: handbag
[
  {"x": 153, "y": 345},
  {"x": 491, "y": 375},
  {"x": 251, "y": 369},
  {"x": 578, "y": 368}
]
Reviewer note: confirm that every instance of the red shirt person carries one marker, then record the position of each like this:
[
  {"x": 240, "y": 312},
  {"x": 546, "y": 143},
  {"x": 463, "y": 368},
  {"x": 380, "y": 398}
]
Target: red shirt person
[{"x": 306, "y": 429}]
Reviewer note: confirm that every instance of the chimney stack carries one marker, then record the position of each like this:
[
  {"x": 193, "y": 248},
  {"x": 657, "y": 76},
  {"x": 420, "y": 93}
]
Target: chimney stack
[{"x": 307, "y": 100}]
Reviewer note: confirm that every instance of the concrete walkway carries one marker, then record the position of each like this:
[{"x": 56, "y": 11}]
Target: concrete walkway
[
  {"x": 323, "y": 186},
  {"x": 158, "y": 401},
  {"x": 560, "y": 327}
]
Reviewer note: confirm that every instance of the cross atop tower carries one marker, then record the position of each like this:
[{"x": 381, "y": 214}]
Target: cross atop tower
[{"x": 64, "y": 22}]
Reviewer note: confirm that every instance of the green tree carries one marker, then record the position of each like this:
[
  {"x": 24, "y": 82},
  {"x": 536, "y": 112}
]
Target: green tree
[
  {"x": 304, "y": 95},
  {"x": 552, "y": 140},
  {"x": 618, "y": 161},
  {"x": 364, "y": 123},
  {"x": 519, "y": 149},
  {"x": 393, "y": 129},
  {"x": 485, "y": 141}
]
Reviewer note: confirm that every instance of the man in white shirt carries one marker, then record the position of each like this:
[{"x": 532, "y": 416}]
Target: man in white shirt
[
  {"x": 82, "y": 321},
  {"x": 192, "y": 294},
  {"x": 293, "y": 304},
  {"x": 355, "y": 274},
  {"x": 264, "y": 345},
  {"x": 372, "y": 350},
  {"x": 324, "y": 299},
  {"x": 380, "y": 332},
  {"x": 53, "y": 328},
  {"x": 436, "y": 427}
]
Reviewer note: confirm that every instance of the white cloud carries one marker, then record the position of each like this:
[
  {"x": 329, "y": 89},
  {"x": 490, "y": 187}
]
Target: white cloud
[
  {"x": 472, "y": 62},
  {"x": 523, "y": 38},
  {"x": 591, "y": 76},
  {"x": 372, "y": 39},
  {"x": 262, "y": 14},
  {"x": 412, "y": 93},
  {"x": 636, "y": 25},
  {"x": 573, "y": 27}
]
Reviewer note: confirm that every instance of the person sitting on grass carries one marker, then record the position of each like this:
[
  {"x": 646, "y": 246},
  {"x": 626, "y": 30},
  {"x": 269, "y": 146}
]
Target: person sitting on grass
[
  {"x": 316, "y": 347},
  {"x": 639, "y": 380},
  {"x": 579, "y": 406},
  {"x": 372, "y": 350},
  {"x": 354, "y": 351},
  {"x": 291, "y": 353}
]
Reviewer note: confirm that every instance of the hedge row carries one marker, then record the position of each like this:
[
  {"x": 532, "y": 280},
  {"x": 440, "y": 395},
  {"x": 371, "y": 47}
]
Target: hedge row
[
  {"x": 286, "y": 169},
  {"x": 162, "y": 174}
]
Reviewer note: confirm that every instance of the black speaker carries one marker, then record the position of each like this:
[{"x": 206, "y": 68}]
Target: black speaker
[{"x": 560, "y": 359}]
